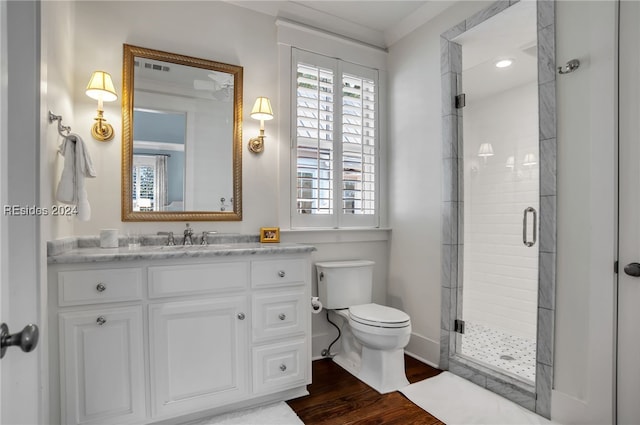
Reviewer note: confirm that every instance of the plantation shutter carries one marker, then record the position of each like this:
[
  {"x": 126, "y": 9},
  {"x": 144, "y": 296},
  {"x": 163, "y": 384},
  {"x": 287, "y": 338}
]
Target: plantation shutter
[
  {"x": 335, "y": 150},
  {"x": 144, "y": 177},
  {"x": 358, "y": 144}
]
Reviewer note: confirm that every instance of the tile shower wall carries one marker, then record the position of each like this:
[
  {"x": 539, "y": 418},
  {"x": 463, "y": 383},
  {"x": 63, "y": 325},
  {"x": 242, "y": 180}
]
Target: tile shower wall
[{"x": 500, "y": 272}]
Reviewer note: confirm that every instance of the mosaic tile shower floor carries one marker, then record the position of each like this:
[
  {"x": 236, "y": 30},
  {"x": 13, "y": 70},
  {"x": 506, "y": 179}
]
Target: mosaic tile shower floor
[{"x": 512, "y": 354}]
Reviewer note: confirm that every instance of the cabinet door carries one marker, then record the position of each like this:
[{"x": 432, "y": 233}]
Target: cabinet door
[
  {"x": 199, "y": 354},
  {"x": 102, "y": 366}
]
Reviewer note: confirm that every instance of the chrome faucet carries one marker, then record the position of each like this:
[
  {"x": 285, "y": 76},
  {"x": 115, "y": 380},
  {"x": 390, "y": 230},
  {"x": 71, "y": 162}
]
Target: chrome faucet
[
  {"x": 170, "y": 240},
  {"x": 188, "y": 236},
  {"x": 204, "y": 237}
]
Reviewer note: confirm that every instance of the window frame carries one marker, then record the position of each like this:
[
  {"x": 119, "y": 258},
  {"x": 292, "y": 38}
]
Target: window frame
[{"x": 337, "y": 219}]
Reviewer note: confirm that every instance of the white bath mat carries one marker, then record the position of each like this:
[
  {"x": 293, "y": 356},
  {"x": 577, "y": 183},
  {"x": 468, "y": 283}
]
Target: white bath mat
[
  {"x": 272, "y": 414},
  {"x": 456, "y": 401}
]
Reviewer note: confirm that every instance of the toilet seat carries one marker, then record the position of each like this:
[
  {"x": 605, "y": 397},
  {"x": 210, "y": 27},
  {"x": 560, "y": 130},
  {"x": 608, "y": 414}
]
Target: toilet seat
[{"x": 379, "y": 316}]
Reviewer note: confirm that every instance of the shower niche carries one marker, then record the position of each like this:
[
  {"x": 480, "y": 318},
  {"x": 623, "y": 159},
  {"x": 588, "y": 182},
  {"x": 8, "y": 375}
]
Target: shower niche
[{"x": 498, "y": 80}]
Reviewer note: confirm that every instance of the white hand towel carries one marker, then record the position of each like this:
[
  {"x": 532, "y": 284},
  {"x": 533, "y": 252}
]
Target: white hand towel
[{"x": 77, "y": 166}]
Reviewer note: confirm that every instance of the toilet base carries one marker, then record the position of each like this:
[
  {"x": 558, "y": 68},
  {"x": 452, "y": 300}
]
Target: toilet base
[{"x": 382, "y": 370}]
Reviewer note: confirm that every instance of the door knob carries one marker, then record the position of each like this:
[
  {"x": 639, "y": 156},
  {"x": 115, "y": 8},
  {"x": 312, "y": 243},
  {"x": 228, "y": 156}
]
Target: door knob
[
  {"x": 27, "y": 339},
  {"x": 632, "y": 269}
]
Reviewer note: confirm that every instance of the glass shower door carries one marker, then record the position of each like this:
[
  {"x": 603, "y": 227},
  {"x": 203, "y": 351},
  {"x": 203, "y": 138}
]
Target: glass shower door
[{"x": 501, "y": 193}]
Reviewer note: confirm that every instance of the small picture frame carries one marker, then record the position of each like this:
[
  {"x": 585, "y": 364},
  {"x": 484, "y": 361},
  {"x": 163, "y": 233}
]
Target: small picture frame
[{"x": 269, "y": 234}]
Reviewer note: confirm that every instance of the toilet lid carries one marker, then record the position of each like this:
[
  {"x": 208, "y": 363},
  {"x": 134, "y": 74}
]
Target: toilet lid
[{"x": 379, "y": 315}]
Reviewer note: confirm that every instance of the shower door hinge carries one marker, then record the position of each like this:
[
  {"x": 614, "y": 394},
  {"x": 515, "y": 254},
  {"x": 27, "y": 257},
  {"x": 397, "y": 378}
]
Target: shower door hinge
[
  {"x": 615, "y": 267},
  {"x": 458, "y": 326},
  {"x": 460, "y": 101}
]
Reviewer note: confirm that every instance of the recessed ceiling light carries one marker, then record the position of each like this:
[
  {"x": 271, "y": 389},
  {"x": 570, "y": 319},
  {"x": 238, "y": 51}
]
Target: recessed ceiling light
[{"x": 504, "y": 63}]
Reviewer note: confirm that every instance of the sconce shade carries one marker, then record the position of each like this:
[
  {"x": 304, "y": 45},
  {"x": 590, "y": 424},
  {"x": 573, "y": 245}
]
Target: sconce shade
[
  {"x": 101, "y": 87},
  {"x": 485, "y": 150},
  {"x": 262, "y": 109},
  {"x": 511, "y": 162},
  {"x": 529, "y": 160}
]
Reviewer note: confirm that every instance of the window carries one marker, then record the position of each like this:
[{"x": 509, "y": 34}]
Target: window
[
  {"x": 335, "y": 143},
  {"x": 149, "y": 182}
]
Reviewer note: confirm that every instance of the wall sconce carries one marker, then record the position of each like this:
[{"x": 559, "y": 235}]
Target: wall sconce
[
  {"x": 485, "y": 150},
  {"x": 261, "y": 111},
  {"x": 101, "y": 88}
]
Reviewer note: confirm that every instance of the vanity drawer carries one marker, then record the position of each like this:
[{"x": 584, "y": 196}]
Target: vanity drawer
[
  {"x": 275, "y": 272},
  {"x": 99, "y": 286},
  {"x": 193, "y": 279},
  {"x": 279, "y": 366},
  {"x": 279, "y": 313}
]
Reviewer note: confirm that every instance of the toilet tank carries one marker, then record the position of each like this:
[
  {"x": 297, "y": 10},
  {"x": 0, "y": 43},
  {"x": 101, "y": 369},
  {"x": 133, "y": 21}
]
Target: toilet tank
[{"x": 342, "y": 284}]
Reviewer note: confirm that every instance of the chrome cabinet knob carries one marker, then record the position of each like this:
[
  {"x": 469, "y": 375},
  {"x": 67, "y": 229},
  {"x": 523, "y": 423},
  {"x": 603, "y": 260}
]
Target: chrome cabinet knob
[
  {"x": 241, "y": 316},
  {"x": 26, "y": 339},
  {"x": 283, "y": 367},
  {"x": 101, "y": 320},
  {"x": 281, "y": 273},
  {"x": 282, "y": 316},
  {"x": 100, "y": 287}
]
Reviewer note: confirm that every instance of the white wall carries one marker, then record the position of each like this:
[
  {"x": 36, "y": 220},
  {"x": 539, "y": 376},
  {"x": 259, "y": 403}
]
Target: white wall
[
  {"x": 415, "y": 158},
  {"x": 500, "y": 272},
  {"x": 56, "y": 91},
  {"x": 587, "y": 130},
  {"x": 57, "y": 85}
]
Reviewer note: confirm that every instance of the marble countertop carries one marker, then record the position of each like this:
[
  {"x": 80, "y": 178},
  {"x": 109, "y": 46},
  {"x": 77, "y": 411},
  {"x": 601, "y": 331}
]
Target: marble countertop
[{"x": 70, "y": 250}]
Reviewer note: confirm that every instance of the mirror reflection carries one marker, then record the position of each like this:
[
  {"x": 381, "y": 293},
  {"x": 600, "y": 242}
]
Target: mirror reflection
[
  {"x": 181, "y": 131},
  {"x": 158, "y": 160}
]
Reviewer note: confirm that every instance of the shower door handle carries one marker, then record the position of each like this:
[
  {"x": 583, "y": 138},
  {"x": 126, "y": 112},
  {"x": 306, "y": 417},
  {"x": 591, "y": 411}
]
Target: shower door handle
[{"x": 527, "y": 242}]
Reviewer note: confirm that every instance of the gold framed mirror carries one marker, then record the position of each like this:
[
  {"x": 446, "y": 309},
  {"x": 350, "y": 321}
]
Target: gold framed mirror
[{"x": 181, "y": 138}]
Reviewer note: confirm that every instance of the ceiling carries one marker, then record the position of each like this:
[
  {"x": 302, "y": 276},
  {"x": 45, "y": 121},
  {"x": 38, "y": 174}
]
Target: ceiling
[
  {"x": 377, "y": 22},
  {"x": 510, "y": 34},
  {"x": 377, "y": 15}
]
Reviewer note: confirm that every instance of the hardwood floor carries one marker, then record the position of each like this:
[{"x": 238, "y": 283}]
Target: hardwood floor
[{"x": 338, "y": 398}]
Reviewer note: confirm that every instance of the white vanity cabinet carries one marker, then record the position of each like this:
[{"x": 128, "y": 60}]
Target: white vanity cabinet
[{"x": 155, "y": 340}]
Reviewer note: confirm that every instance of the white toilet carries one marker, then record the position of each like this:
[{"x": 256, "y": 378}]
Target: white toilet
[{"x": 373, "y": 336}]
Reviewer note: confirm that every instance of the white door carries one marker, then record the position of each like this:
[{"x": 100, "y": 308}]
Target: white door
[
  {"x": 628, "y": 391},
  {"x": 3, "y": 150},
  {"x": 22, "y": 382}
]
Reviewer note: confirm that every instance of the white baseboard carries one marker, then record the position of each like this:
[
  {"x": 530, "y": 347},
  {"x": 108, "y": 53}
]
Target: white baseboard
[
  {"x": 423, "y": 360},
  {"x": 424, "y": 349}
]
